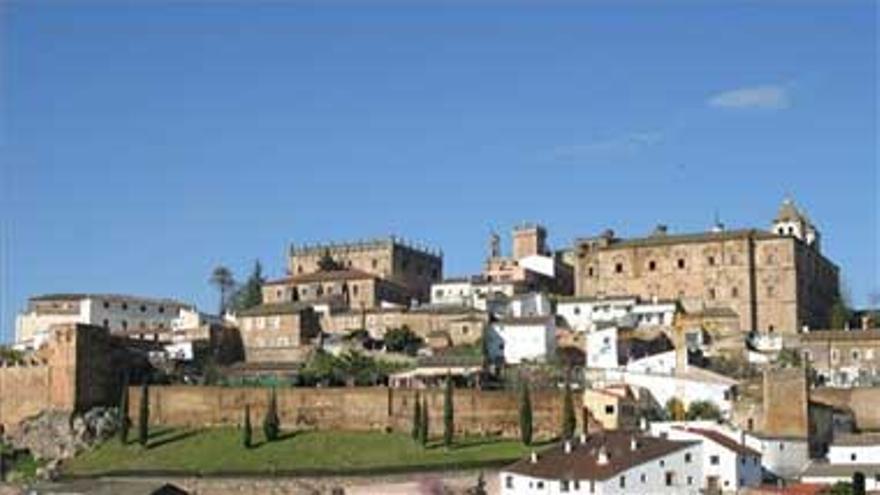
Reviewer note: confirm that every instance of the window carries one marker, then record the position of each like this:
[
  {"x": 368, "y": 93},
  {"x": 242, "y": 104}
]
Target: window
[
  {"x": 143, "y": 308},
  {"x": 540, "y": 485},
  {"x": 855, "y": 355},
  {"x": 662, "y": 463},
  {"x": 508, "y": 482},
  {"x": 734, "y": 292},
  {"x": 852, "y": 456},
  {"x": 711, "y": 260},
  {"x": 590, "y": 271},
  {"x": 652, "y": 265},
  {"x": 577, "y": 310},
  {"x": 770, "y": 291},
  {"x": 618, "y": 268},
  {"x": 609, "y": 409},
  {"x": 691, "y": 480},
  {"x": 713, "y": 460},
  {"x": 781, "y": 446},
  {"x": 106, "y": 305},
  {"x": 106, "y": 323},
  {"x": 161, "y": 309},
  {"x": 299, "y": 269},
  {"x": 564, "y": 486},
  {"x": 869, "y": 354},
  {"x": 669, "y": 476},
  {"x": 276, "y": 322},
  {"x": 465, "y": 330},
  {"x": 622, "y": 481},
  {"x": 681, "y": 263},
  {"x": 124, "y": 306},
  {"x": 712, "y": 293},
  {"x": 438, "y": 293},
  {"x": 687, "y": 457},
  {"x": 742, "y": 461},
  {"x": 643, "y": 478},
  {"x": 835, "y": 355},
  {"x": 124, "y": 325}
]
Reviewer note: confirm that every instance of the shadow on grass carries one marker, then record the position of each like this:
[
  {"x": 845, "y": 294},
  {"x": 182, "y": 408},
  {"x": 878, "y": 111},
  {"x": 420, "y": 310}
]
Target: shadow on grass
[
  {"x": 281, "y": 437},
  {"x": 173, "y": 438},
  {"x": 159, "y": 432}
]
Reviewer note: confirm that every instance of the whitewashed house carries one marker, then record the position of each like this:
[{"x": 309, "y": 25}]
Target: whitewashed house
[
  {"x": 515, "y": 340},
  {"x": 453, "y": 292},
  {"x": 848, "y": 454},
  {"x": 584, "y": 313},
  {"x": 611, "y": 462},
  {"x": 729, "y": 465}
]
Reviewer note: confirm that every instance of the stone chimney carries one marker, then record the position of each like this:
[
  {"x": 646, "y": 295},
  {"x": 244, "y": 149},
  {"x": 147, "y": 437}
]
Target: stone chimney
[
  {"x": 867, "y": 321},
  {"x": 583, "y": 438},
  {"x": 567, "y": 447},
  {"x": 533, "y": 458},
  {"x": 602, "y": 456},
  {"x": 633, "y": 444}
]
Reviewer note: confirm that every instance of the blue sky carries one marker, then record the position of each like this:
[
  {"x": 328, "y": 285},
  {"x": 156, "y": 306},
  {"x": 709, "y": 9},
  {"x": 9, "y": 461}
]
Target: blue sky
[{"x": 144, "y": 144}]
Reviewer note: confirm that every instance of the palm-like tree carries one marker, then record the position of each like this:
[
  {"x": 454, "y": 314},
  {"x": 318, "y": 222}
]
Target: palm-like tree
[{"x": 222, "y": 278}]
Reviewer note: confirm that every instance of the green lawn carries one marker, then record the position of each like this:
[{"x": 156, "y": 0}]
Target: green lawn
[{"x": 219, "y": 450}]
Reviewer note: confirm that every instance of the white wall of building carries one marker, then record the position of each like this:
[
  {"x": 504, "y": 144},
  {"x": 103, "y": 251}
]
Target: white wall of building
[
  {"x": 531, "y": 304},
  {"x": 583, "y": 315},
  {"x": 784, "y": 457},
  {"x": 854, "y": 454},
  {"x": 516, "y": 342},
  {"x": 731, "y": 469},
  {"x": 601, "y": 348},
  {"x": 453, "y": 293},
  {"x": 666, "y": 386},
  {"x": 545, "y": 265},
  {"x": 649, "y": 477}
]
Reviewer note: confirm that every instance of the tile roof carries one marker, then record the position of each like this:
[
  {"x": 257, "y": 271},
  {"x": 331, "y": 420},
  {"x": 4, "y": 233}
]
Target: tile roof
[
  {"x": 856, "y": 439},
  {"x": 276, "y": 309},
  {"x": 666, "y": 239},
  {"x": 841, "y": 335},
  {"x": 322, "y": 276},
  {"x": 79, "y": 296},
  {"x": 527, "y": 320},
  {"x": 582, "y": 463},
  {"x": 823, "y": 469},
  {"x": 723, "y": 440}
]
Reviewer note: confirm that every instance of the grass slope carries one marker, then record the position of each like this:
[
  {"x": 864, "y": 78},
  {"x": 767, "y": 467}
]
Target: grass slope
[{"x": 219, "y": 450}]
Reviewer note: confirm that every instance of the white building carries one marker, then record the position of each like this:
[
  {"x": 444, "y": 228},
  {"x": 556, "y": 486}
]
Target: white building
[
  {"x": 785, "y": 457},
  {"x": 453, "y": 292},
  {"x": 584, "y": 313},
  {"x": 521, "y": 339},
  {"x": 848, "y": 454},
  {"x": 611, "y": 462},
  {"x": 122, "y": 314},
  {"x": 601, "y": 348},
  {"x": 728, "y": 465}
]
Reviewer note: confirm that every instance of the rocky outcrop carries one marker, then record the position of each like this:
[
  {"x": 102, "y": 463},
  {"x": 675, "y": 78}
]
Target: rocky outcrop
[{"x": 57, "y": 435}]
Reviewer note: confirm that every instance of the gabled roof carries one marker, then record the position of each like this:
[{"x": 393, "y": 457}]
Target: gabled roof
[
  {"x": 723, "y": 440},
  {"x": 582, "y": 463}
]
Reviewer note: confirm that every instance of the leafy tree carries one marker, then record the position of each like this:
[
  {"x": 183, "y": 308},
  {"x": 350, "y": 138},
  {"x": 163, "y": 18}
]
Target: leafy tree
[
  {"x": 144, "y": 416},
  {"x": 251, "y": 293},
  {"x": 858, "y": 483},
  {"x": 789, "y": 358},
  {"x": 841, "y": 488},
  {"x": 525, "y": 415},
  {"x": 703, "y": 409},
  {"x": 246, "y": 431},
  {"x": 124, "y": 420},
  {"x": 675, "y": 409},
  {"x": 271, "y": 422},
  {"x": 424, "y": 423},
  {"x": 569, "y": 420},
  {"x": 402, "y": 340},
  {"x": 223, "y": 280},
  {"x": 417, "y": 418},
  {"x": 327, "y": 263},
  {"x": 448, "y": 413}
]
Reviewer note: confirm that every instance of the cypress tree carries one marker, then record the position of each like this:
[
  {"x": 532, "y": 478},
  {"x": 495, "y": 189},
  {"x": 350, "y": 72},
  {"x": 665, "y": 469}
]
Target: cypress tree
[
  {"x": 271, "y": 422},
  {"x": 423, "y": 424},
  {"x": 124, "y": 420},
  {"x": 417, "y": 418},
  {"x": 525, "y": 415},
  {"x": 246, "y": 429},
  {"x": 569, "y": 421},
  {"x": 144, "y": 416},
  {"x": 448, "y": 413}
]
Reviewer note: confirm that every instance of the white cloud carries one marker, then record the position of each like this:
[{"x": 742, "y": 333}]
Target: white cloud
[
  {"x": 769, "y": 97},
  {"x": 627, "y": 144}
]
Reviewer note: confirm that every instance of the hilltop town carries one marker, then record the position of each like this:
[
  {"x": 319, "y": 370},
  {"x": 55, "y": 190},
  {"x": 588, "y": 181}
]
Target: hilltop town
[{"x": 722, "y": 361}]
